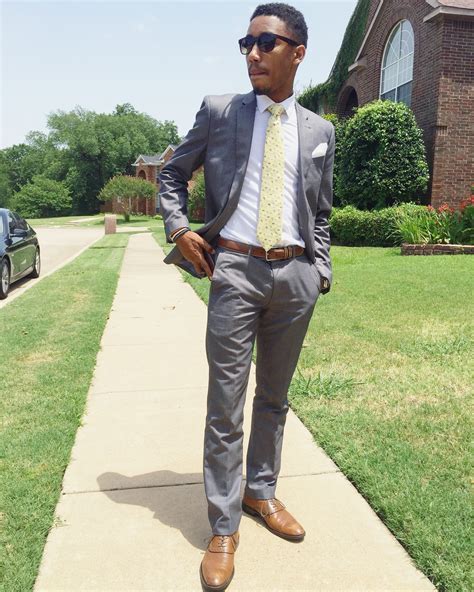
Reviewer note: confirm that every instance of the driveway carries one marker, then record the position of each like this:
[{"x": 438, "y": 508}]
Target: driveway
[{"x": 58, "y": 247}]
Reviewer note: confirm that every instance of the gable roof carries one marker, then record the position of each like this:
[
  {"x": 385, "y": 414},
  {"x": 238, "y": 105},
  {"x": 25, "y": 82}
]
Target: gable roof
[
  {"x": 464, "y": 8},
  {"x": 369, "y": 29},
  {"x": 456, "y": 8},
  {"x": 147, "y": 159},
  {"x": 153, "y": 159},
  {"x": 469, "y": 4}
]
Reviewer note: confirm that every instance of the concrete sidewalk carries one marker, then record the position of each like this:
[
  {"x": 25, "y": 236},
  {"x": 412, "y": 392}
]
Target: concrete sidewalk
[{"x": 132, "y": 515}]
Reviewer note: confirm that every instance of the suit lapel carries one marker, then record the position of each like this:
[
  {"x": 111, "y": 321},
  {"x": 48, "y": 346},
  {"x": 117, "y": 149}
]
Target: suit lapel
[
  {"x": 245, "y": 118},
  {"x": 305, "y": 136},
  {"x": 305, "y": 139},
  {"x": 244, "y": 121}
]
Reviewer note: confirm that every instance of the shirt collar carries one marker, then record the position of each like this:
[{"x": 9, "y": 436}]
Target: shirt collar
[{"x": 263, "y": 101}]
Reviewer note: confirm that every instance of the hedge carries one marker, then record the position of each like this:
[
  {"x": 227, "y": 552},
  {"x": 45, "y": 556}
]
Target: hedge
[{"x": 368, "y": 228}]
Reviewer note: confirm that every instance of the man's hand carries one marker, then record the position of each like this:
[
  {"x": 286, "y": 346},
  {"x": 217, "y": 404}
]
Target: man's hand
[{"x": 193, "y": 247}]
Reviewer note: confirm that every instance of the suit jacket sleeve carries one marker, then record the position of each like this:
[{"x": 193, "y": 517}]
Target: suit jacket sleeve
[
  {"x": 321, "y": 223},
  {"x": 176, "y": 173}
]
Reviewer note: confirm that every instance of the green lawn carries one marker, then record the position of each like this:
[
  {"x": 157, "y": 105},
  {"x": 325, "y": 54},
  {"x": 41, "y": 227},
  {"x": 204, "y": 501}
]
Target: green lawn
[
  {"x": 385, "y": 385},
  {"x": 50, "y": 337},
  {"x": 135, "y": 221},
  {"x": 67, "y": 221},
  {"x": 149, "y": 222}
]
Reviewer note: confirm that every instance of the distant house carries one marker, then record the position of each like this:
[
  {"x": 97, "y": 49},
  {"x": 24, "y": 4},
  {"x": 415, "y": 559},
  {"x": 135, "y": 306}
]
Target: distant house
[
  {"x": 148, "y": 166},
  {"x": 421, "y": 52}
]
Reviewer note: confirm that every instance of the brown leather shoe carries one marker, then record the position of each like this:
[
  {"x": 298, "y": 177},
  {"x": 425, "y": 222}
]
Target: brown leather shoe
[
  {"x": 273, "y": 514},
  {"x": 217, "y": 566}
]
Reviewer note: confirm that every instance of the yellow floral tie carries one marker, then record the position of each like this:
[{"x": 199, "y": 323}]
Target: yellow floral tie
[{"x": 269, "y": 225}]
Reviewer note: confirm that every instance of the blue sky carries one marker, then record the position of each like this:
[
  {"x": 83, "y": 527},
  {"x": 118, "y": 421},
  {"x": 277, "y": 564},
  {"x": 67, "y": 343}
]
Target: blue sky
[{"x": 160, "y": 56}]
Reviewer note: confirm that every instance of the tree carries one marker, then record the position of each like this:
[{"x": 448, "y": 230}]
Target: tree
[
  {"x": 382, "y": 157},
  {"x": 42, "y": 197},
  {"x": 96, "y": 147},
  {"x": 197, "y": 198},
  {"x": 21, "y": 162},
  {"x": 126, "y": 191}
]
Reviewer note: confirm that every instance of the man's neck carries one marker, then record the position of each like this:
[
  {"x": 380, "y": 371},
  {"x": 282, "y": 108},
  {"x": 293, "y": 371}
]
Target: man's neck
[{"x": 280, "y": 97}]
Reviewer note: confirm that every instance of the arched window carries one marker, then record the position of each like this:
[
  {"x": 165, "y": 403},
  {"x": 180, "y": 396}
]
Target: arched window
[{"x": 397, "y": 64}]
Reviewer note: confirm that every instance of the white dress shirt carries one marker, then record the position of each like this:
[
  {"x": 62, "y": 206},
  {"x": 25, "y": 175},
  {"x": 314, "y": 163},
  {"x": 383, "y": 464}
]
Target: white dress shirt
[{"x": 242, "y": 225}]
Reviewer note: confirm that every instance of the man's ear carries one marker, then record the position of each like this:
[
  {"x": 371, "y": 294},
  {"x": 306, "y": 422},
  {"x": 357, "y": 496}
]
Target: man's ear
[{"x": 300, "y": 52}]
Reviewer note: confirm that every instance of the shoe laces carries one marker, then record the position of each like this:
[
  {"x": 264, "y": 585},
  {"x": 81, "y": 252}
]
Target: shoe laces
[
  {"x": 222, "y": 542},
  {"x": 273, "y": 505}
]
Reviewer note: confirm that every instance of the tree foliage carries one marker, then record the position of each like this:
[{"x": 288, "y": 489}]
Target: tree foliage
[
  {"x": 84, "y": 150},
  {"x": 197, "y": 198},
  {"x": 42, "y": 198},
  {"x": 339, "y": 129},
  {"x": 127, "y": 190},
  {"x": 325, "y": 93}
]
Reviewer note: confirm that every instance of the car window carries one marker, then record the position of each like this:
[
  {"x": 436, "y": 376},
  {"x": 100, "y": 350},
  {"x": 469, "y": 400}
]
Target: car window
[
  {"x": 2, "y": 229},
  {"x": 20, "y": 222},
  {"x": 11, "y": 222}
]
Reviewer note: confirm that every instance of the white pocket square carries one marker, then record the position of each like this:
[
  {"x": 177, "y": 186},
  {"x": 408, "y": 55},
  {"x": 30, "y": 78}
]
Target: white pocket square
[{"x": 320, "y": 150}]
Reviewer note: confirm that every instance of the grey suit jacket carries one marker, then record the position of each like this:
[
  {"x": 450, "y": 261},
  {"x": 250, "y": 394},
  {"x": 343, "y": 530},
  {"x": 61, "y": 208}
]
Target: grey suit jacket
[{"x": 220, "y": 139}]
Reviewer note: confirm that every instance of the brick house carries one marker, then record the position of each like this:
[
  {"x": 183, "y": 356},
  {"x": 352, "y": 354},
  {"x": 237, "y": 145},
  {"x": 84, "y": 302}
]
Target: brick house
[
  {"x": 149, "y": 166},
  {"x": 421, "y": 52}
]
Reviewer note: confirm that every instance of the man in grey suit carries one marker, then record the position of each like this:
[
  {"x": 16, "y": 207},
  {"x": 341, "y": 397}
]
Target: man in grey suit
[{"x": 268, "y": 166}]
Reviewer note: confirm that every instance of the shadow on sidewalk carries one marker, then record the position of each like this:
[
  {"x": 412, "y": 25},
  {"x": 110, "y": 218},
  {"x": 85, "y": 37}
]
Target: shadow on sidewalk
[{"x": 179, "y": 503}]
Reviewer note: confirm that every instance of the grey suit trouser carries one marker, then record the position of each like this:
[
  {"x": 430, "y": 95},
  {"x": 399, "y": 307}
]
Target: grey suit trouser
[{"x": 272, "y": 302}]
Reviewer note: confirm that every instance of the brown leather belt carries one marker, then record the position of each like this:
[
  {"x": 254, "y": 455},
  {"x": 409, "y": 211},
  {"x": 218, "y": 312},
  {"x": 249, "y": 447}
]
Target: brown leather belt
[{"x": 271, "y": 255}]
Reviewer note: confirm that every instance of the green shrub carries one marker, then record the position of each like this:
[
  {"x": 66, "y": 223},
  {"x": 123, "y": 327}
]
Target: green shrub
[
  {"x": 381, "y": 157},
  {"x": 339, "y": 128},
  {"x": 467, "y": 219},
  {"x": 362, "y": 228},
  {"x": 443, "y": 225},
  {"x": 126, "y": 190},
  {"x": 42, "y": 198},
  {"x": 197, "y": 198}
]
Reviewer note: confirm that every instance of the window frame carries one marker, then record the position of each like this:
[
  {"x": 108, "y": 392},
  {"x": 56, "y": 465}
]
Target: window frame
[{"x": 398, "y": 86}]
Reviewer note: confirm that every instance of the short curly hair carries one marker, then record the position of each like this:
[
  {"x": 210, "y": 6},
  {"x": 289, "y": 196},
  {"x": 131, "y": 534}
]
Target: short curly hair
[{"x": 292, "y": 17}]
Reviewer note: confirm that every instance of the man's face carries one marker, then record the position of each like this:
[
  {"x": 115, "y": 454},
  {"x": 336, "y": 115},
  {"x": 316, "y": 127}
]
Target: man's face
[{"x": 273, "y": 73}]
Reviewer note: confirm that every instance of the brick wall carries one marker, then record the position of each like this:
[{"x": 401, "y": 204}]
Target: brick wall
[
  {"x": 147, "y": 172},
  {"x": 441, "y": 76},
  {"x": 454, "y": 144}
]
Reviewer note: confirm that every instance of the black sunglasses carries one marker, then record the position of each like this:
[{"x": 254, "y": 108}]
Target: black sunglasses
[{"x": 265, "y": 42}]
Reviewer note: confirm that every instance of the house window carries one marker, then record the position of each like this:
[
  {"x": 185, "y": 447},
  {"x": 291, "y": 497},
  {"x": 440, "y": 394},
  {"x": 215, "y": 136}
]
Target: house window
[{"x": 397, "y": 64}]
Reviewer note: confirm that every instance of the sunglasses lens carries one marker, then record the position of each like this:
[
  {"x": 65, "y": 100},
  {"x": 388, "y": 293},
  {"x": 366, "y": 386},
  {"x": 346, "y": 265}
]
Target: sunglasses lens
[
  {"x": 266, "y": 42},
  {"x": 246, "y": 44}
]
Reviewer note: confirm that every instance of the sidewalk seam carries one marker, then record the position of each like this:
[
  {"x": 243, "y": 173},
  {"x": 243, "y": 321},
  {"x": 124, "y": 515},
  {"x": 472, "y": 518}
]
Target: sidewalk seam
[{"x": 164, "y": 485}]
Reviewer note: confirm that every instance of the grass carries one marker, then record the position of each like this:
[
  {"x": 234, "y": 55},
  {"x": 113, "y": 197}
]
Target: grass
[
  {"x": 49, "y": 342},
  {"x": 149, "y": 222},
  {"x": 67, "y": 220},
  {"x": 142, "y": 221},
  {"x": 385, "y": 385}
]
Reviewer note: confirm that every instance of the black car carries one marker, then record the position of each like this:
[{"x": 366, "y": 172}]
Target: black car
[{"x": 19, "y": 250}]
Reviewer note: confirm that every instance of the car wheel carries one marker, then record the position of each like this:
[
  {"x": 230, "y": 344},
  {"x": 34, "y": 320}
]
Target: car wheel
[
  {"x": 37, "y": 268},
  {"x": 4, "y": 279}
]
